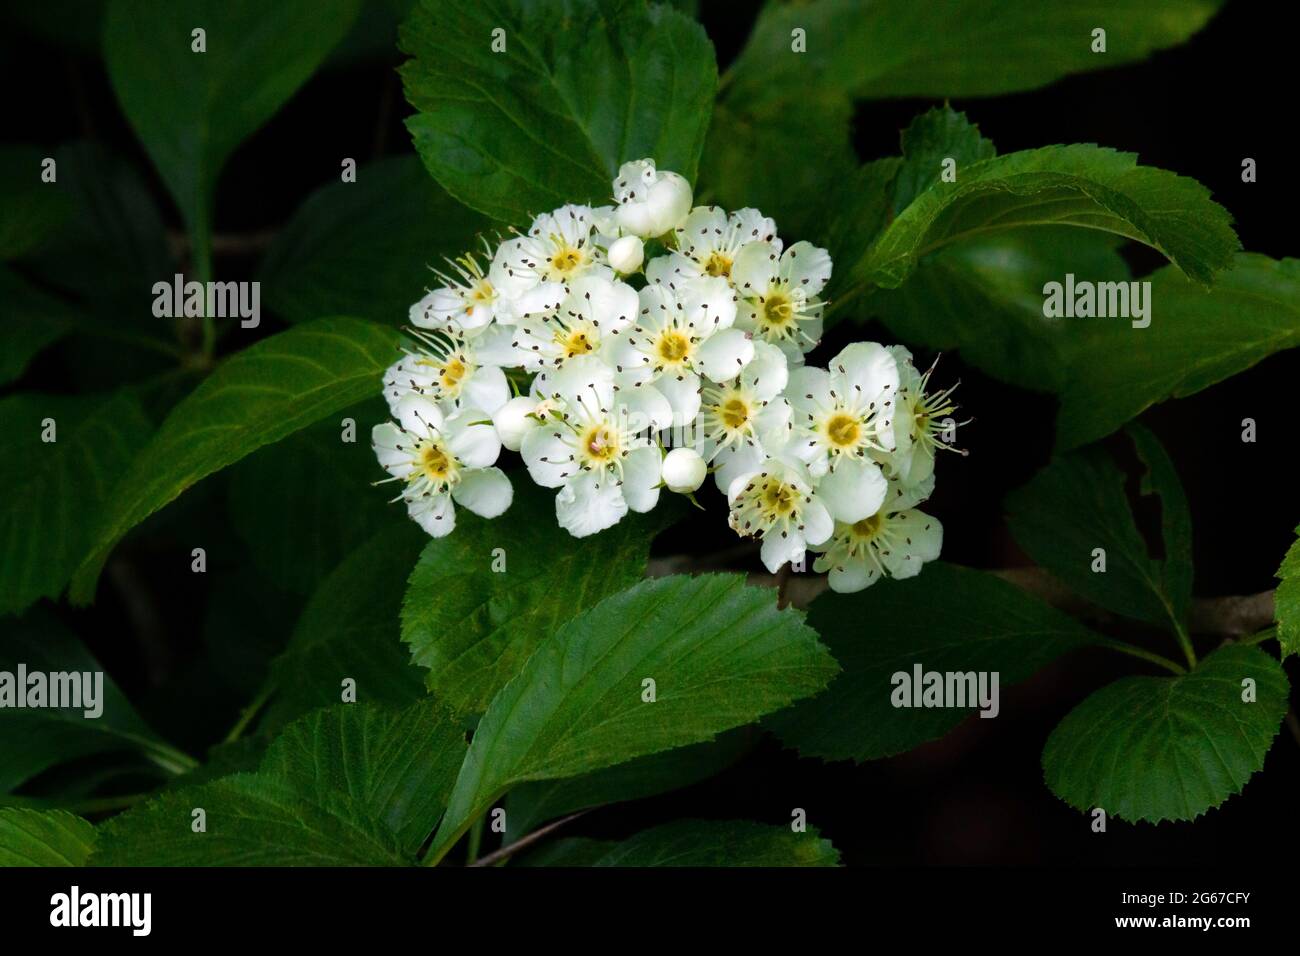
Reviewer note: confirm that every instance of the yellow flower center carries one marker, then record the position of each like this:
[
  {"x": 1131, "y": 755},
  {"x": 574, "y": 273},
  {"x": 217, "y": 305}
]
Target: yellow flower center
[
  {"x": 778, "y": 311},
  {"x": 452, "y": 373},
  {"x": 718, "y": 265},
  {"x": 734, "y": 413},
  {"x": 575, "y": 342},
  {"x": 435, "y": 463},
  {"x": 843, "y": 430},
  {"x": 867, "y": 528},
  {"x": 600, "y": 444},
  {"x": 673, "y": 347},
  {"x": 566, "y": 259}
]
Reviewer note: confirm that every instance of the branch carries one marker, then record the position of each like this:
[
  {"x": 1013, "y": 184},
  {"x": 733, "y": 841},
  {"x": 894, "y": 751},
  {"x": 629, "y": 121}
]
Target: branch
[{"x": 524, "y": 842}]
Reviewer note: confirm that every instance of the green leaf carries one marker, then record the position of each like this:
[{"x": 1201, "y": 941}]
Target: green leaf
[
  {"x": 955, "y": 48},
  {"x": 705, "y": 843},
  {"x": 251, "y": 820},
  {"x": 780, "y": 155},
  {"x": 720, "y": 654},
  {"x": 305, "y": 503},
  {"x": 32, "y": 740},
  {"x": 399, "y": 765},
  {"x": 856, "y": 211},
  {"x": 1083, "y": 185},
  {"x": 366, "y": 248},
  {"x": 44, "y": 838},
  {"x": 1195, "y": 339},
  {"x": 473, "y": 626},
  {"x": 115, "y": 236},
  {"x": 581, "y": 87},
  {"x": 950, "y": 619},
  {"x": 1161, "y": 479},
  {"x": 1287, "y": 601},
  {"x": 32, "y": 321},
  {"x": 192, "y": 109},
  {"x": 1169, "y": 748},
  {"x": 532, "y": 804},
  {"x": 933, "y": 138},
  {"x": 1078, "y": 504},
  {"x": 52, "y": 493},
  {"x": 984, "y": 298},
  {"x": 258, "y": 396},
  {"x": 33, "y": 210},
  {"x": 350, "y": 629}
]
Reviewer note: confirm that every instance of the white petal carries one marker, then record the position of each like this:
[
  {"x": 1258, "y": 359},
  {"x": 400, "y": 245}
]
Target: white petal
[
  {"x": 918, "y": 538},
  {"x": 419, "y": 416},
  {"x": 589, "y": 503},
  {"x": 817, "y": 523},
  {"x": 809, "y": 388},
  {"x": 755, "y": 268},
  {"x": 487, "y": 389},
  {"x": 806, "y": 267},
  {"x": 548, "y": 451},
  {"x": 865, "y": 371},
  {"x": 386, "y": 439},
  {"x": 708, "y": 303},
  {"x": 753, "y": 226},
  {"x": 434, "y": 513},
  {"x": 854, "y": 490},
  {"x": 472, "y": 438},
  {"x": 777, "y": 550},
  {"x": 725, "y": 354},
  {"x": 584, "y": 382},
  {"x": 485, "y": 491},
  {"x": 683, "y": 395},
  {"x": 641, "y": 474},
  {"x": 737, "y": 461},
  {"x": 769, "y": 372},
  {"x": 855, "y": 574},
  {"x": 646, "y": 407}
]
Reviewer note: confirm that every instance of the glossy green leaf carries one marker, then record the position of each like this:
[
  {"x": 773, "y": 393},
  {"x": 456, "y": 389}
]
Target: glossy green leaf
[
  {"x": 33, "y": 210},
  {"x": 250, "y": 820},
  {"x": 947, "y": 620},
  {"x": 707, "y": 843},
  {"x": 1287, "y": 601},
  {"x": 32, "y": 740},
  {"x": 32, "y": 321},
  {"x": 532, "y": 804},
  {"x": 1195, "y": 339},
  {"x": 192, "y": 109},
  {"x": 305, "y": 503},
  {"x": 1077, "y": 505},
  {"x": 1169, "y": 748},
  {"x": 53, "y": 492},
  {"x": 44, "y": 838},
  {"x": 1083, "y": 186},
  {"x": 258, "y": 396},
  {"x": 720, "y": 656},
  {"x": 955, "y": 48},
  {"x": 350, "y": 629},
  {"x": 580, "y": 87},
  {"x": 480, "y": 601},
  {"x": 366, "y": 248},
  {"x": 397, "y": 764}
]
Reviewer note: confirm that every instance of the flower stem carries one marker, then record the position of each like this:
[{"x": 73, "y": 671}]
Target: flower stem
[{"x": 1134, "y": 651}]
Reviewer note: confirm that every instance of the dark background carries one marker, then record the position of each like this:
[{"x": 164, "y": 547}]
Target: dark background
[{"x": 976, "y": 796}]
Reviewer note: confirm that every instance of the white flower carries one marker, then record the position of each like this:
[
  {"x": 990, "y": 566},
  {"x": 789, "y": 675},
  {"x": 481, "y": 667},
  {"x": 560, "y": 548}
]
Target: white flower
[
  {"x": 650, "y": 202},
  {"x": 920, "y": 421},
  {"x": 442, "y": 459},
  {"x": 680, "y": 335},
  {"x": 709, "y": 241},
  {"x": 738, "y": 419},
  {"x": 446, "y": 369},
  {"x": 467, "y": 300},
  {"x": 778, "y": 293},
  {"x": 626, "y": 254},
  {"x": 842, "y": 416},
  {"x": 515, "y": 419},
  {"x": 777, "y": 503},
  {"x": 590, "y": 447},
  {"x": 683, "y": 470},
  {"x": 537, "y": 268},
  {"x": 593, "y": 311},
  {"x": 895, "y": 542}
]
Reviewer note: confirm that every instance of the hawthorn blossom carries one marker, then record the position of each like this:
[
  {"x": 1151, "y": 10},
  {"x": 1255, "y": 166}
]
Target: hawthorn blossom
[
  {"x": 709, "y": 241},
  {"x": 441, "y": 460},
  {"x": 895, "y": 541},
  {"x": 778, "y": 294},
  {"x": 446, "y": 368}
]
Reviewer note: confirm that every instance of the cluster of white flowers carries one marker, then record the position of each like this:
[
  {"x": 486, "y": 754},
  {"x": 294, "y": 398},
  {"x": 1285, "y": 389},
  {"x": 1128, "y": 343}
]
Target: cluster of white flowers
[{"x": 648, "y": 323}]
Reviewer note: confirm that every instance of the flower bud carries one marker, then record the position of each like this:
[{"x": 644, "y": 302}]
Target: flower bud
[
  {"x": 512, "y": 421},
  {"x": 626, "y": 255},
  {"x": 683, "y": 470},
  {"x": 650, "y": 202}
]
